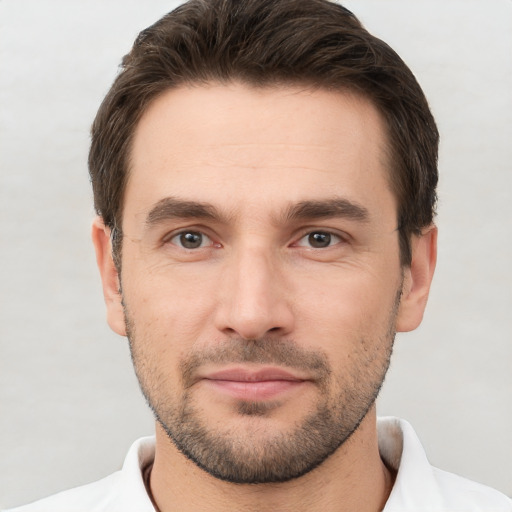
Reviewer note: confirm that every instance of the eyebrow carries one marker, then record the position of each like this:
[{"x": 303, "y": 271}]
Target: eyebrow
[
  {"x": 336, "y": 207},
  {"x": 174, "y": 208}
]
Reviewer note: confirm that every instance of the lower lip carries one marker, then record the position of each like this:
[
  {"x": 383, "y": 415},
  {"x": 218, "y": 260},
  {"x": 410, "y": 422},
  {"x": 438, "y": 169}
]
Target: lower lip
[{"x": 254, "y": 391}]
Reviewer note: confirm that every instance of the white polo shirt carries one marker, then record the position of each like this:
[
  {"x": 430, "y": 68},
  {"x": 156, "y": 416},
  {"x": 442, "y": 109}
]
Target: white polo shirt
[{"x": 419, "y": 487}]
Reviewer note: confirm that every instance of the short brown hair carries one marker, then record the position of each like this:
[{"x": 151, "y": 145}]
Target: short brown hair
[{"x": 263, "y": 43}]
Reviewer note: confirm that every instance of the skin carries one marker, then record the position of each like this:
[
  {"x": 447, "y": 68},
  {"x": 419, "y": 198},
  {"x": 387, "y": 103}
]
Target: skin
[{"x": 253, "y": 155}]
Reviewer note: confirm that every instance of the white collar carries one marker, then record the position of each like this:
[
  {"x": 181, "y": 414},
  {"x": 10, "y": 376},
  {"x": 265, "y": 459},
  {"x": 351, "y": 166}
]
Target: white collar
[{"x": 418, "y": 487}]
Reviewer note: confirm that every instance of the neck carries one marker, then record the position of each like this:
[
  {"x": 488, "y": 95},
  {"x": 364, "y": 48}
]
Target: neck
[{"x": 353, "y": 478}]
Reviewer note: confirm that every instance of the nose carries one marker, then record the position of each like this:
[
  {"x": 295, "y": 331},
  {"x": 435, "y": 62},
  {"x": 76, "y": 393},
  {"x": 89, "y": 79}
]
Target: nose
[{"x": 254, "y": 297}]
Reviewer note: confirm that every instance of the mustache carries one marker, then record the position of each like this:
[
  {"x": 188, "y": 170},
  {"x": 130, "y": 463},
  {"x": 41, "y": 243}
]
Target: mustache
[{"x": 264, "y": 351}]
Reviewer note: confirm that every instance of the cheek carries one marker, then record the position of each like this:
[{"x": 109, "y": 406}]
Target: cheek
[
  {"x": 346, "y": 307},
  {"x": 169, "y": 308}
]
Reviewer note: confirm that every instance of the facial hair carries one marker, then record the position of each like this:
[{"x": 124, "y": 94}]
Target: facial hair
[{"x": 344, "y": 399}]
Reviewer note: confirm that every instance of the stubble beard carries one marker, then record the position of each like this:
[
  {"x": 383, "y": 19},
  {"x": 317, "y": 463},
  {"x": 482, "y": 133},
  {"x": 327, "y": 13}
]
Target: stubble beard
[{"x": 265, "y": 455}]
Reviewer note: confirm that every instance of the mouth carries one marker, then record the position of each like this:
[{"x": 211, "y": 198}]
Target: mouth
[{"x": 253, "y": 384}]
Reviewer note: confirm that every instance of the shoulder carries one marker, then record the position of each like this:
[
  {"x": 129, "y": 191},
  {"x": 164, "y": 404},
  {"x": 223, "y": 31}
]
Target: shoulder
[
  {"x": 420, "y": 487},
  {"x": 123, "y": 491},
  {"x": 93, "y": 497},
  {"x": 463, "y": 494}
]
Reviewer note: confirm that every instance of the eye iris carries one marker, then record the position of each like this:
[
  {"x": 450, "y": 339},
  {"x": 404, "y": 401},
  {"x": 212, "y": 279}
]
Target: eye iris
[
  {"x": 319, "y": 240},
  {"x": 191, "y": 240}
]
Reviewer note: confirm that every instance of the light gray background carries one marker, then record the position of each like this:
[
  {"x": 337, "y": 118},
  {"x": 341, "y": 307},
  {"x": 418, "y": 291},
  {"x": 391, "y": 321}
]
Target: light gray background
[{"x": 69, "y": 405}]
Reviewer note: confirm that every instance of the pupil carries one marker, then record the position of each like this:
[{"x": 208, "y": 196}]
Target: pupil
[
  {"x": 320, "y": 239},
  {"x": 191, "y": 240}
]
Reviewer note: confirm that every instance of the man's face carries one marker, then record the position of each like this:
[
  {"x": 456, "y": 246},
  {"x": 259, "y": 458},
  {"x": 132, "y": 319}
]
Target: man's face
[{"x": 260, "y": 277}]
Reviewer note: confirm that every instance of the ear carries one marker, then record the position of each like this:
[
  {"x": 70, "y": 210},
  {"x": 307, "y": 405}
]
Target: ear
[
  {"x": 109, "y": 276},
  {"x": 417, "y": 280}
]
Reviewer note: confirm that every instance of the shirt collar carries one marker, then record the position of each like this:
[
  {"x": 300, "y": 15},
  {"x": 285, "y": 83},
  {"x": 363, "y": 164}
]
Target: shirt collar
[
  {"x": 132, "y": 495},
  {"x": 415, "y": 487}
]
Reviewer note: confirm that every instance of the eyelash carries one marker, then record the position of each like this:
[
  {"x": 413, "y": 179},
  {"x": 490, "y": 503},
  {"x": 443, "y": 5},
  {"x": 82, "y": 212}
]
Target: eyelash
[
  {"x": 330, "y": 235},
  {"x": 307, "y": 234},
  {"x": 184, "y": 232}
]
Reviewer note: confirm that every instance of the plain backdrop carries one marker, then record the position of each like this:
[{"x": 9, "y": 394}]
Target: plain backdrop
[{"x": 69, "y": 404}]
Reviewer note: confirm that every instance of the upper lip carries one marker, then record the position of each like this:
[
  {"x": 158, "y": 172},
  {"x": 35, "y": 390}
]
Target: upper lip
[{"x": 241, "y": 374}]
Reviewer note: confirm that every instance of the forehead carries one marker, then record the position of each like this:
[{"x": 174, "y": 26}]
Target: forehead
[{"x": 241, "y": 144}]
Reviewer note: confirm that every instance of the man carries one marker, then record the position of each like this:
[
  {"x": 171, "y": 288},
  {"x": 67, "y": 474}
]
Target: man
[{"x": 264, "y": 174}]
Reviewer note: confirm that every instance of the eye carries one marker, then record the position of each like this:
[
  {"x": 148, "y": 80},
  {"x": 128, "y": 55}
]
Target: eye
[
  {"x": 319, "y": 240},
  {"x": 191, "y": 240}
]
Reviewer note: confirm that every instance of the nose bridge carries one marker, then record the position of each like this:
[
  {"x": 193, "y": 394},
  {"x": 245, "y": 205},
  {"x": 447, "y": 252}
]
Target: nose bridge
[
  {"x": 255, "y": 270},
  {"x": 255, "y": 293}
]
